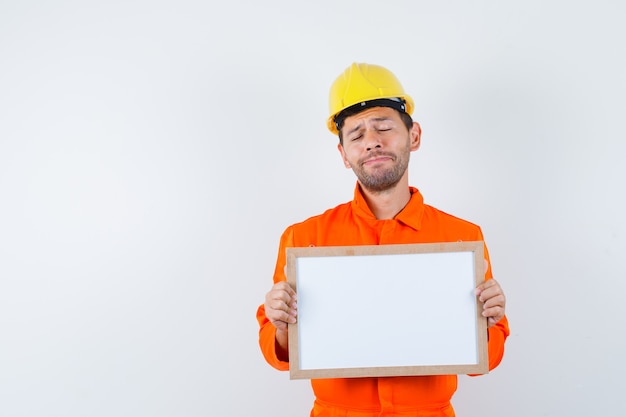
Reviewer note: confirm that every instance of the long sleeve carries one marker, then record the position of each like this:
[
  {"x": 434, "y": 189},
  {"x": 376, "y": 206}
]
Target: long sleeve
[
  {"x": 498, "y": 333},
  {"x": 267, "y": 331},
  {"x": 497, "y": 337},
  {"x": 267, "y": 341}
]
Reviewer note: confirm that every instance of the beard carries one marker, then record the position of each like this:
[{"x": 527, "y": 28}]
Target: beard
[{"x": 382, "y": 179}]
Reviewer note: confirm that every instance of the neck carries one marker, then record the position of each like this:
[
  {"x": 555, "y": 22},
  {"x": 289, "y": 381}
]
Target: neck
[{"x": 387, "y": 204}]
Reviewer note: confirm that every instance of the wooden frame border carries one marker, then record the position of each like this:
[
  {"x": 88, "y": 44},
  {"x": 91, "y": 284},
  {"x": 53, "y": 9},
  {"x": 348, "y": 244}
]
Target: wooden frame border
[{"x": 481, "y": 365}]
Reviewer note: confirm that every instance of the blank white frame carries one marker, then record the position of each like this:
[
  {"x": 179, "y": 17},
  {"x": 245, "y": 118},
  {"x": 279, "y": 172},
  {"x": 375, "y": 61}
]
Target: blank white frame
[{"x": 387, "y": 310}]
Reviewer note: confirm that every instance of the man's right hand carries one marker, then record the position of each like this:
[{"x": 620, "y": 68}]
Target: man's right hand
[{"x": 281, "y": 306}]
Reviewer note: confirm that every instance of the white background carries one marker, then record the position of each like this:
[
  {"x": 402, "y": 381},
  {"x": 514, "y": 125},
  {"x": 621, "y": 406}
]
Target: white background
[{"x": 152, "y": 152}]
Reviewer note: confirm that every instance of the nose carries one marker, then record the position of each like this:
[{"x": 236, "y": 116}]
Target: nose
[{"x": 372, "y": 139}]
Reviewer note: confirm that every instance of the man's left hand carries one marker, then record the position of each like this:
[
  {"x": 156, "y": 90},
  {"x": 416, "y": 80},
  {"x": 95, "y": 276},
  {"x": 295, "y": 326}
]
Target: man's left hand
[{"x": 491, "y": 295}]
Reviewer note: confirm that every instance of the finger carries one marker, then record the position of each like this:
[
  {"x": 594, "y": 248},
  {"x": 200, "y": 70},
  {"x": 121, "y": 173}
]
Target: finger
[
  {"x": 285, "y": 286},
  {"x": 280, "y": 300},
  {"x": 280, "y": 317},
  {"x": 491, "y": 321},
  {"x": 492, "y": 294},
  {"x": 279, "y": 295},
  {"x": 493, "y": 315},
  {"x": 497, "y": 301},
  {"x": 487, "y": 284},
  {"x": 276, "y": 316},
  {"x": 488, "y": 289},
  {"x": 488, "y": 294},
  {"x": 279, "y": 306},
  {"x": 282, "y": 291}
]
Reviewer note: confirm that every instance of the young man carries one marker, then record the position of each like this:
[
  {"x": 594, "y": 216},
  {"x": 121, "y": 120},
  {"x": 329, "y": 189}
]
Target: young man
[{"x": 370, "y": 112}]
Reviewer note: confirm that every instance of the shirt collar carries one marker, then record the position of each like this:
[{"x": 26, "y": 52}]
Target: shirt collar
[{"x": 410, "y": 215}]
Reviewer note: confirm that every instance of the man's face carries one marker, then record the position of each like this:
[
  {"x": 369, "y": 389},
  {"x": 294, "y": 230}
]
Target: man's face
[{"x": 377, "y": 146}]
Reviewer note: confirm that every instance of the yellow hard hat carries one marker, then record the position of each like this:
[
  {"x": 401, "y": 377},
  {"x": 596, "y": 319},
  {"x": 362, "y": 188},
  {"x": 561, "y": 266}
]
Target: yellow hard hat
[{"x": 363, "y": 83}]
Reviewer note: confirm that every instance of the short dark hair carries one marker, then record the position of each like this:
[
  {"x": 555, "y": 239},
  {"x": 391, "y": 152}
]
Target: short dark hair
[{"x": 405, "y": 117}]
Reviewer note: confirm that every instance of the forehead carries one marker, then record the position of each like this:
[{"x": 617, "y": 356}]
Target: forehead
[{"x": 371, "y": 114}]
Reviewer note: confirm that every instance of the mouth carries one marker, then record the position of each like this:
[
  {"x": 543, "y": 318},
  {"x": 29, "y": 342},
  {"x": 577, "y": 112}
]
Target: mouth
[{"x": 376, "y": 159}]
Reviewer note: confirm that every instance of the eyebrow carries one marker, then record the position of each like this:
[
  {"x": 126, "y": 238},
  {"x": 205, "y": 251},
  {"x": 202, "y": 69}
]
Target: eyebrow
[{"x": 375, "y": 119}]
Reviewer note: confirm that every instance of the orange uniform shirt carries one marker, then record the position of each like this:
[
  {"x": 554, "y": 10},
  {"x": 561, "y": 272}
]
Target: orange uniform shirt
[{"x": 350, "y": 224}]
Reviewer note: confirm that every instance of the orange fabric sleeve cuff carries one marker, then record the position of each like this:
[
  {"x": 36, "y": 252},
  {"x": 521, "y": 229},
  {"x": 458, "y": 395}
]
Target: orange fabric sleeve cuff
[
  {"x": 267, "y": 341},
  {"x": 497, "y": 336}
]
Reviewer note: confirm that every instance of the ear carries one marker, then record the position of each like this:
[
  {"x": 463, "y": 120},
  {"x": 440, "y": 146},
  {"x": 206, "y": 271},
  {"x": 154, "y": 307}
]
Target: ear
[
  {"x": 343, "y": 156},
  {"x": 416, "y": 135}
]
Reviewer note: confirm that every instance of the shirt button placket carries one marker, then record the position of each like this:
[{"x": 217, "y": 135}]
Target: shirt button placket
[{"x": 387, "y": 232}]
